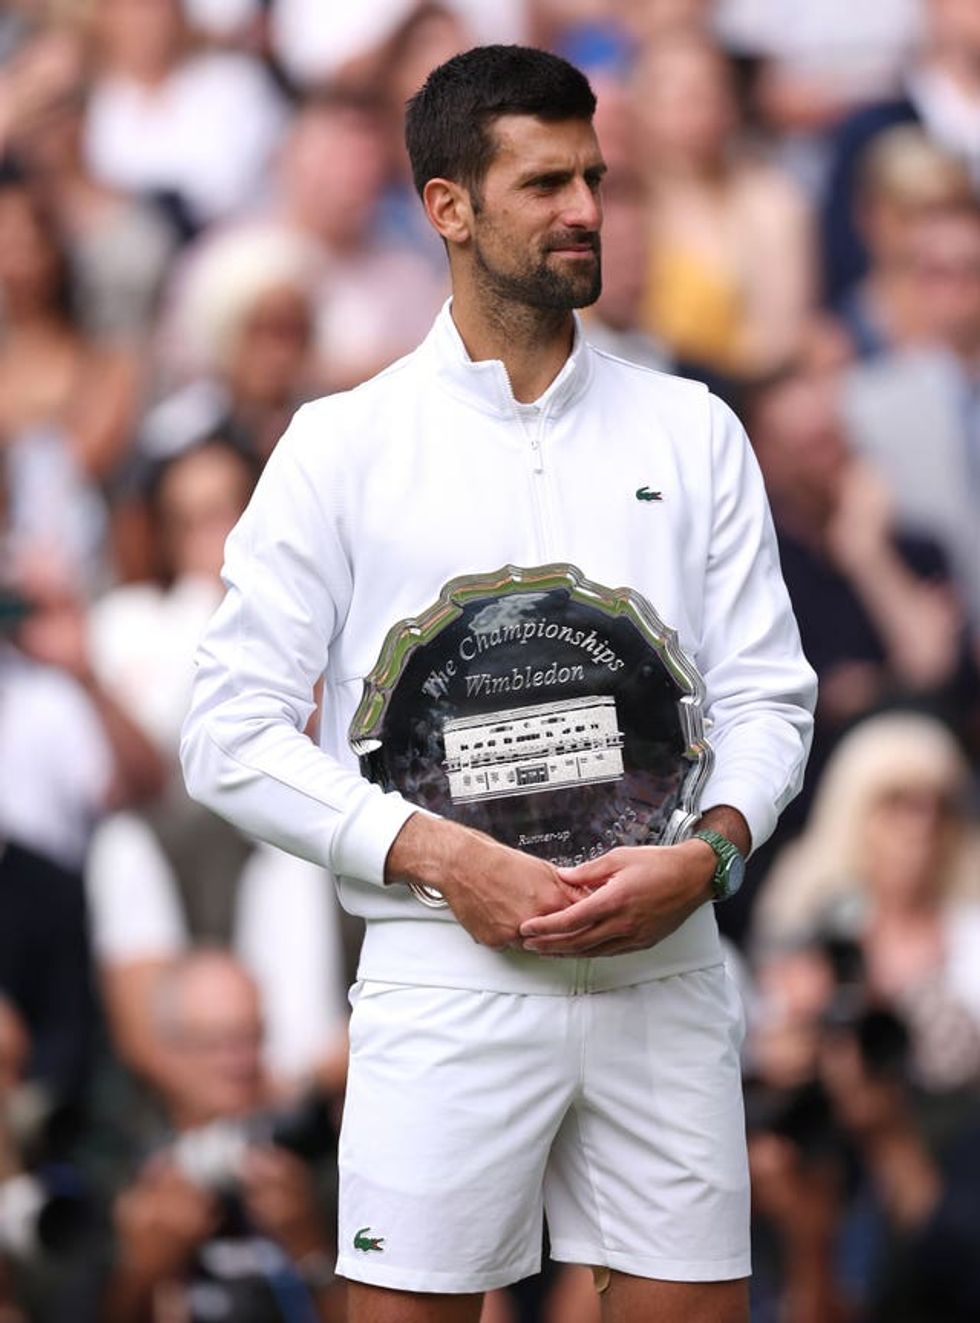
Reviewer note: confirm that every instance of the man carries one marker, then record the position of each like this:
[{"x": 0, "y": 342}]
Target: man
[
  {"x": 482, "y": 1083},
  {"x": 916, "y": 412},
  {"x": 221, "y": 1227}
]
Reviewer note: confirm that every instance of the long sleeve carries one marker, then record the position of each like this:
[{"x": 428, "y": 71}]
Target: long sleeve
[{"x": 243, "y": 749}]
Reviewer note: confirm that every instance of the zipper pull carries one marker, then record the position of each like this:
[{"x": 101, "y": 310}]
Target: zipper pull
[{"x": 536, "y": 450}]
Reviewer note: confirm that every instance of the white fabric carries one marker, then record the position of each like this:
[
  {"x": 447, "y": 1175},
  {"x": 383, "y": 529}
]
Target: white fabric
[
  {"x": 222, "y": 18},
  {"x": 948, "y": 115},
  {"x": 374, "y": 499},
  {"x": 53, "y": 504},
  {"x": 142, "y": 639},
  {"x": 56, "y": 764},
  {"x": 207, "y": 132},
  {"x": 134, "y": 912},
  {"x": 288, "y": 935},
  {"x": 285, "y": 933},
  {"x": 962, "y": 938},
  {"x": 624, "y": 1111},
  {"x": 313, "y": 49},
  {"x": 858, "y": 49}
]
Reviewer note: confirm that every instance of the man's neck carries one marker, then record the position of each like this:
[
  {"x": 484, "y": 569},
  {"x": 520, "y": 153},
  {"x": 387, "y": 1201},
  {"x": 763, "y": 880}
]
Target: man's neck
[{"x": 532, "y": 344}]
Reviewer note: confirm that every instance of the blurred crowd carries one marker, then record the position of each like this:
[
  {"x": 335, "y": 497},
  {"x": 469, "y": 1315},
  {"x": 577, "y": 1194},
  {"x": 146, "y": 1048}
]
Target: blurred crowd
[{"x": 206, "y": 218}]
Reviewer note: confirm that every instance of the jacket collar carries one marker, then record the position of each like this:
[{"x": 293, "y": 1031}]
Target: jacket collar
[{"x": 486, "y": 386}]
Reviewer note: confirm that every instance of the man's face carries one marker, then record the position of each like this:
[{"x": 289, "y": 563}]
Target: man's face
[
  {"x": 946, "y": 268},
  {"x": 538, "y": 214}
]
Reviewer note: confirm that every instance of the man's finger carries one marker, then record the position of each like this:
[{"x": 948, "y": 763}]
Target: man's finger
[
  {"x": 592, "y": 873},
  {"x": 589, "y": 941},
  {"x": 580, "y": 914}
]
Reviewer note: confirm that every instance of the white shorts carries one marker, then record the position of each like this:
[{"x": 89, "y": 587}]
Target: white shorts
[{"x": 617, "y": 1113}]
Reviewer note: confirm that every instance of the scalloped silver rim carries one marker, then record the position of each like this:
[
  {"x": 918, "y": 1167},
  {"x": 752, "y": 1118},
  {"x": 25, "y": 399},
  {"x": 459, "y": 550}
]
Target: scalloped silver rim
[{"x": 405, "y": 637}]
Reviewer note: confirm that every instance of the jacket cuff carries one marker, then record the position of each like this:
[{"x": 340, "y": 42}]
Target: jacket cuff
[
  {"x": 758, "y": 810},
  {"x": 361, "y": 846}
]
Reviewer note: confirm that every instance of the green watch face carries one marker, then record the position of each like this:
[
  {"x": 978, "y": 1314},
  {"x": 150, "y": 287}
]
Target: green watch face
[{"x": 730, "y": 868}]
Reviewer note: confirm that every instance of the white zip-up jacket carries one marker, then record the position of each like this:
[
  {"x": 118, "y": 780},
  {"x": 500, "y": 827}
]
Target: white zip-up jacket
[{"x": 374, "y": 499}]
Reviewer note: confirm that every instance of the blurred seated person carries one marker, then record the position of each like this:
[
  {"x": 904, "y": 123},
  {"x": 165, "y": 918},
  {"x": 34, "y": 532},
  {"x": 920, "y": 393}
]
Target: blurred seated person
[
  {"x": 614, "y": 322},
  {"x": 916, "y": 413},
  {"x": 941, "y": 92},
  {"x": 222, "y": 1221},
  {"x": 236, "y": 341},
  {"x": 119, "y": 246},
  {"x": 904, "y": 176},
  {"x": 50, "y": 1224},
  {"x": 731, "y": 275},
  {"x": 174, "y": 873},
  {"x": 376, "y": 296},
  {"x": 69, "y": 753},
  {"x": 13, "y": 1058},
  {"x": 824, "y": 61},
  {"x": 54, "y": 381},
  {"x": 859, "y": 1212},
  {"x": 879, "y": 618},
  {"x": 194, "y": 128},
  {"x": 890, "y": 859},
  {"x": 927, "y": 1198}
]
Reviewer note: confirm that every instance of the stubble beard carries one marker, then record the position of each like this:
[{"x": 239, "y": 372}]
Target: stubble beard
[{"x": 540, "y": 287}]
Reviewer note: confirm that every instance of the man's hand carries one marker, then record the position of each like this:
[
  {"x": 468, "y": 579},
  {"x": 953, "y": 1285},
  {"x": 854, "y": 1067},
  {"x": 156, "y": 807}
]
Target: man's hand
[
  {"x": 160, "y": 1222},
  {"x": 489, "y": 887},
  {"x": 278, "y": 1193},
  {"x": 637, "y": 896}
]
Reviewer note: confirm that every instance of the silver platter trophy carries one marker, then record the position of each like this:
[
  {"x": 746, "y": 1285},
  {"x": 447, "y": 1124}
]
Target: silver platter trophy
[{"x": 558, "y": 716}]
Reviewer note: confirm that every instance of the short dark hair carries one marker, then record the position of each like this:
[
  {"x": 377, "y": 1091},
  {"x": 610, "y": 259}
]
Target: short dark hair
[{"x": 448, "y": 120}]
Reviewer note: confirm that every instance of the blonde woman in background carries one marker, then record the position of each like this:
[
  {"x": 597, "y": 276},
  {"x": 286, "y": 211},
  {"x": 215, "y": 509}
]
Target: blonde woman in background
[
  {"x": 904, "y": 178},
  {"x": 891, "y": 857}
]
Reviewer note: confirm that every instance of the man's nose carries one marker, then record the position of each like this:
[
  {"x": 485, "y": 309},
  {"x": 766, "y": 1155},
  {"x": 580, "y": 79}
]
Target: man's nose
[{"x": 583, "y": 208}]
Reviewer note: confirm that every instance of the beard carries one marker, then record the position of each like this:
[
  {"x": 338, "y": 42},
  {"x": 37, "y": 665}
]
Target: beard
[{"x": 536, "y": 284}]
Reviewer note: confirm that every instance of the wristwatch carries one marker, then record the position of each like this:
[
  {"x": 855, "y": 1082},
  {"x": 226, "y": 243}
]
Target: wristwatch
[{"x": 730, "y": 867}]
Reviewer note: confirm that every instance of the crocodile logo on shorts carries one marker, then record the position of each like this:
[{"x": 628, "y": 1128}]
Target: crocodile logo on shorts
[
  {"x": 365, "y": 1242},
  {"x": 645, "y": 494}
]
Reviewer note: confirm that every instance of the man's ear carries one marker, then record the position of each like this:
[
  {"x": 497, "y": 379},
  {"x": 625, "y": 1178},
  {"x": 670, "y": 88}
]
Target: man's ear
[{"x": 449, "y": 209}]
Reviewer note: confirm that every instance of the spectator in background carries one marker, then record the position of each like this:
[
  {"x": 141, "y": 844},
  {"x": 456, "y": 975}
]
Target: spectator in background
[
  {"x": 375, "y": 296},
  {"x": 214, "y": 1225},
  {"x": 370, "y": 296},
  {"x": 174, "y": 874},
  {"x": 732, "y": 264},
  {"x": 942, "y": 93},
  {"x": 880, "y": 621},
  {"x": 890, "y": 859},
  {"x": 614, "y": 322},
  {"x": 239, "y": 338},
  {"x": 196, "y": 129},
  {"x": 13, "y": 1058},
  {"x": 316, "y": 54},
  {"x": 857, "y": 1215},
  {"x": 904, "y": 177},
  {"x": 430, "y": 34},
  {"x": 876, "y": 614},
  {"x": 70, "y": 400},
  {"x": 68, "y": 753},
  {"x": 118, "y": 246},
  {"x": 916, "y": 414},
  {"x": 811, "y": 65}
]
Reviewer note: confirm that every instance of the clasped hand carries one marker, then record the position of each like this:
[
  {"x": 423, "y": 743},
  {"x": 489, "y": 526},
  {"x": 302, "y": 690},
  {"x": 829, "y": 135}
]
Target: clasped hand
[
  {"x": 626, "y": 900},
  {"x": 629, "y": 899}
]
